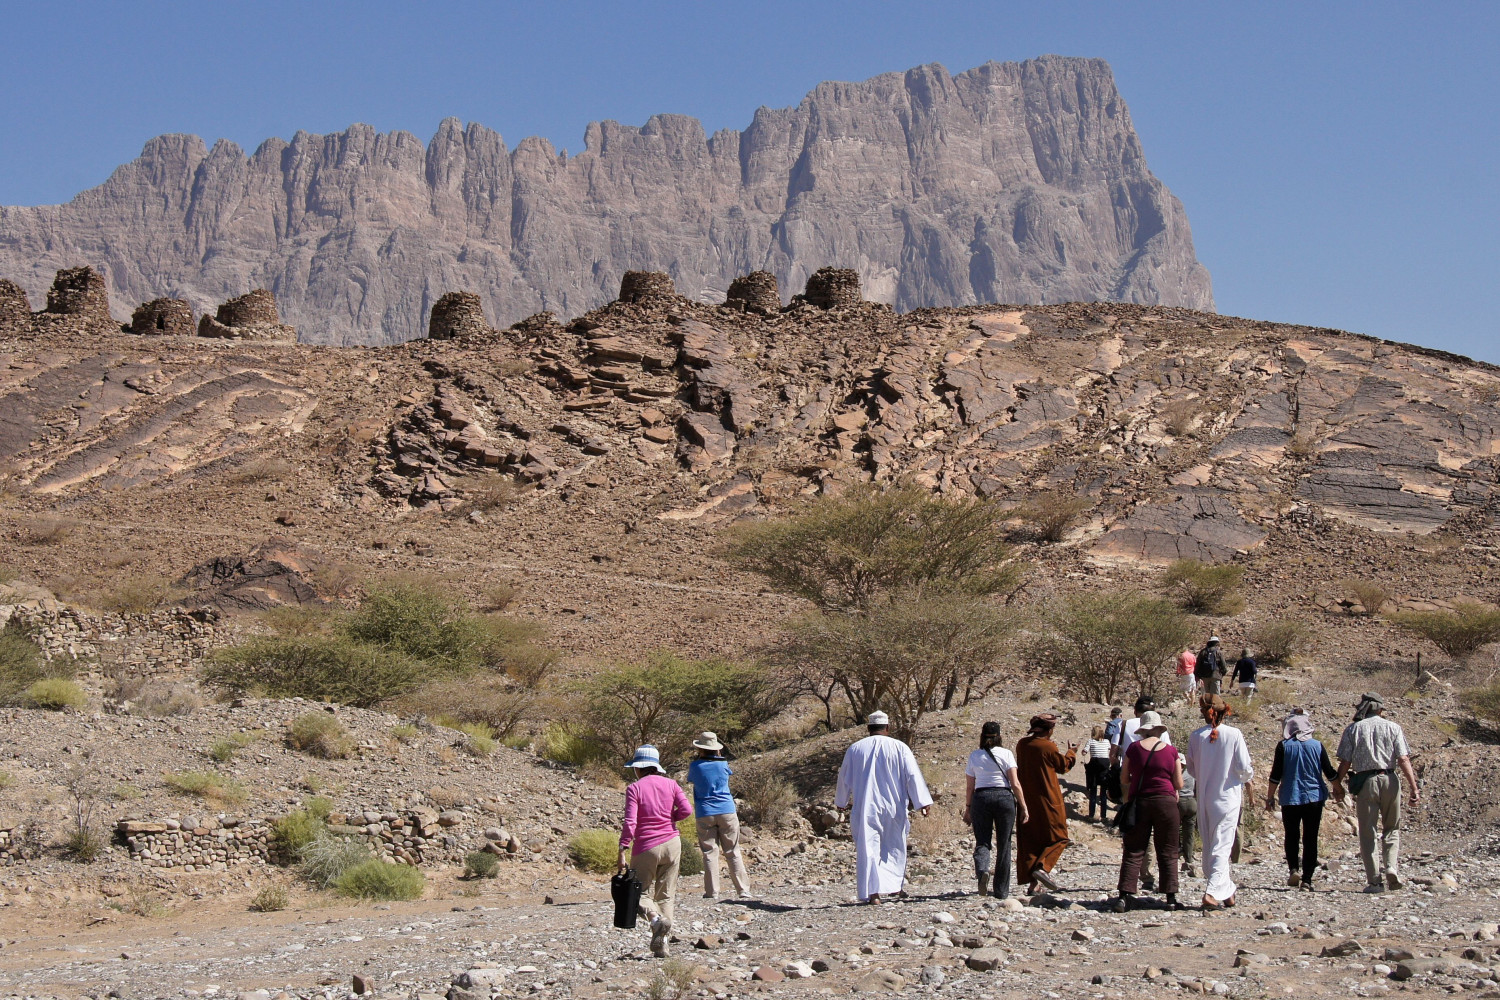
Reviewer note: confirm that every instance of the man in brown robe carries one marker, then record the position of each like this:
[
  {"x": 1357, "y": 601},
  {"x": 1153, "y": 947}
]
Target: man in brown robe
[{"x": 1041, "y": 839}]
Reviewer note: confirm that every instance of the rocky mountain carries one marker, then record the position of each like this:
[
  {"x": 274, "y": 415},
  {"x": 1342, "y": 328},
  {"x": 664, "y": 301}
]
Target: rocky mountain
[{"x": 1015, "y": 182}]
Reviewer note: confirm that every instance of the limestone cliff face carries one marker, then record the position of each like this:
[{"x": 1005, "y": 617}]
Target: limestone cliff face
[{"x": 1015, "y": 182}]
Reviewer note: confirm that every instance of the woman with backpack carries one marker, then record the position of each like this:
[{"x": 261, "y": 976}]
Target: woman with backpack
[
  {"x": 1151, "y": 778},
  {"x": 992, "y": 801}
]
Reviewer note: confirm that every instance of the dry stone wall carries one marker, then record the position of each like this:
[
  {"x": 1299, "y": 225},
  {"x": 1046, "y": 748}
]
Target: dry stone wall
[
  {"x": 638, "y": 285},
  {"x": 755, "y": 292},
  {"x": 163, "y": 317},
  {"x": 833, "y": 288},
  {"x": 457, "y": 315},
  {"x": 15, "y": 308},
  {"x": 251, "y": 316},
  {"x": 140, "y": 646}
]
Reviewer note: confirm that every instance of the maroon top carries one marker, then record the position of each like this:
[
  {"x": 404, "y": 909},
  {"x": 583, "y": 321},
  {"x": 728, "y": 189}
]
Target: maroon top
[{"x": 1160, "y": 764}]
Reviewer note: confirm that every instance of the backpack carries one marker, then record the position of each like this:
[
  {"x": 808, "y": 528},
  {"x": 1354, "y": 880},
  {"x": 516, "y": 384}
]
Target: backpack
[{"x": 1210, "y": 663}]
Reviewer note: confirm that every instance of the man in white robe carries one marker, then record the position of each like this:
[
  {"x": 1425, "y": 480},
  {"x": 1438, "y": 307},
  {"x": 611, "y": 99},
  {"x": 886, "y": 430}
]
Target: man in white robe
[
  {"x": 1219, "y": 759},
  {"x": 880, "y": 781}
]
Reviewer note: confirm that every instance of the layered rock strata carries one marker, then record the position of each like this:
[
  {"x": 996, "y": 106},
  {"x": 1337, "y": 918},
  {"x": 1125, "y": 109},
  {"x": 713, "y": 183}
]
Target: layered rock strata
[{"x": 1013, "y": 182}]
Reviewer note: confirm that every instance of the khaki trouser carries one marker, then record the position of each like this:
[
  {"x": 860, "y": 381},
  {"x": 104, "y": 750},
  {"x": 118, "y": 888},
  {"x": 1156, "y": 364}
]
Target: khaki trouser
[
  {"x": 657, "y": 869},
  {"x": 1379, "y": 801},
  {"x": 715, "y": 832}
]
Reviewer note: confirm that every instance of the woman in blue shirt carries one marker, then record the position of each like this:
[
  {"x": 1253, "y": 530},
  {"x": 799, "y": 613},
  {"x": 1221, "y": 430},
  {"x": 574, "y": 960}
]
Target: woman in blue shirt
[
  {"x": 713, "y": 808},
  {"x": 1298, "y": 786}
]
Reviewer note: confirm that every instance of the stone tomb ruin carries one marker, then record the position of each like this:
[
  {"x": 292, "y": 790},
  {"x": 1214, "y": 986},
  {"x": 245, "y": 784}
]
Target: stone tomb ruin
[
  {"x": 638, "y": 285},
  {"x": 457, "y": 315},
  {"x": 15, "y": 308},
  {"x": 833, "y": 288},
  {"x": 251, "y": 316},
  {"x": 163, "y": 317},
  {"x": 756, "y": 292},
  {"x": 77, "y": 302}
]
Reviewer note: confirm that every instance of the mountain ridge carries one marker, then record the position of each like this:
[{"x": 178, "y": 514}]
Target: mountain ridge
[{"x": 1020, "y": 182}]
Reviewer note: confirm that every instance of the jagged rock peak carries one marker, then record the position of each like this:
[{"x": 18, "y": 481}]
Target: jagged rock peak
[{"x": 1010, "y": 182}]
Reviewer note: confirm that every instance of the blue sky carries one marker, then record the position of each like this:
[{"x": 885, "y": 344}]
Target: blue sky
[{"x": 1337, "y": 160}]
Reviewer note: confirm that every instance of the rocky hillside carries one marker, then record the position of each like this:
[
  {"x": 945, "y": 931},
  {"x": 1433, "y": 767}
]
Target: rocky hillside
[{"x": 1009, "y": 182}]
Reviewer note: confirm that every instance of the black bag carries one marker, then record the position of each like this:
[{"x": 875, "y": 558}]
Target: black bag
[
  {"x": 1112, "y": 788},
  {"x": 626, "y": 890},
  {"x": 1130, "y": 813}
]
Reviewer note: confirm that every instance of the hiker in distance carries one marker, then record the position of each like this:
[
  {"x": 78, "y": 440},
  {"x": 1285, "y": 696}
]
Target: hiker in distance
[
  {"x": 1371, "y": 751},
  {"x": 649, "y": 842},
  {"x": 879, "y": 782}
]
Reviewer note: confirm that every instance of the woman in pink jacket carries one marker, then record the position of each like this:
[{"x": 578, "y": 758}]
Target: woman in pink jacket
[{"x": 649, "y": 843}]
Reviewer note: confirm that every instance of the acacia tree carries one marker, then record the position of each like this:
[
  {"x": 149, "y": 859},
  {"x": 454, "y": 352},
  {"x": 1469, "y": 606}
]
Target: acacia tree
[
  {"x": 900, "y": 579},
  {"x": 1099, "y": 643}
]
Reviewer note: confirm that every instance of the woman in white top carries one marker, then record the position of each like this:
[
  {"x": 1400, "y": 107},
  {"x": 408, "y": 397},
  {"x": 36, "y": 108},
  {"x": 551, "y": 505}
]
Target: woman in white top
[{"x": 992, "y": 801}]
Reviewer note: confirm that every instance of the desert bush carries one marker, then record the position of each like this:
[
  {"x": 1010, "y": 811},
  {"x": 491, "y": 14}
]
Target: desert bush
[
  {"x": 1279, "y": 640},
  {"x": 1204, "y": 588},
  {"x": 481, "y": 864},
  {"x": 1181, "y": 418},
  {"x": 1370, "y": 594},
  {"x": 84, "y": 845},
  {"x": 595, "y": 851},
  {"x": 375, "y": 879},
  {"x": 125, "y": 792},
  {"x": 692, "y": 855},
  {"x": 22, "y": 664},
  {"x": 1101, "y": 645},
  {"x": 207, "y": 785},
  {"x": 675, "y": 980},
  {"x": 55, "y": 694},
  {"x": 565, "y": 743},
  {"x": 321, "y": 735},
  {"x": 48, "y": 531},
  {"x": 849, "y": 551},
  {"x": 1303, "y": 445},
  {"x": 7, "y": 781},
  {"x": 141, "y": 595},
  {"x": 1459, "y": 633},
  {"x": 155, "y": 698},
  {"x": 1483, "y": 702},
  {"x": 140, "y": 901},
  {"x": 223, "y": 749},
  {"x": 667, "y": 699},
  {"x": 333, "y": 577},
  {"x": 767, "y": 801},
  {"x": 271, "y": 899},
  {"x": 317, "y": 667},
  {"x": 499, "y": 596},
  {"x": 905, "y": 657},
  {"x": 260, "y": 470},
  {"x": 297, "y": 829},
  {"x": 325, "y": 859},
  {"x": 496, "y": 702},
  {"x": 1050, "y": 515},
  {"x": 479, "y": 739},
  {"x": 491, "y": 492},
  {"x": 404, "y": 732}
]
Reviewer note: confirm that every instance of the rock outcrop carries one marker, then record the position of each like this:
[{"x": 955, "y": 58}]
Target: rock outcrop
[
  {"x": 251, "y": 316},
  {"x": 1015, "y": 182},
  {"x": 457, "y": 315},
  {"x": 163, "y": 317}
]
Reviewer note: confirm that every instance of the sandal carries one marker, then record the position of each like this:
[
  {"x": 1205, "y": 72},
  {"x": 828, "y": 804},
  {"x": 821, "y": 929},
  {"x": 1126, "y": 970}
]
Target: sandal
[{"x": 1210, "y": 904}]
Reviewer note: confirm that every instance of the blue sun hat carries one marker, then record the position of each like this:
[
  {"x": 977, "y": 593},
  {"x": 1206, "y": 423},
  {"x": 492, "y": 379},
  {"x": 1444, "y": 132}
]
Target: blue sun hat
[{"x": 646, "y": 756}]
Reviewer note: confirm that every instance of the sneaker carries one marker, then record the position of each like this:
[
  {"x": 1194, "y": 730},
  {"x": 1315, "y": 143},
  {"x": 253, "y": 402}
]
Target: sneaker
[
  {"x": 1045, "y": 878},
  {"x": 747, "y": 894},
  {"x": 1120, "y": 903},
  {"x": 1373, "y": 889},
  {"x": 1393, "y": 881},
  {"x": 709, "y": 895},
  {"x": 660, "y": 928},
  {"x": 1294, "y": 880}
]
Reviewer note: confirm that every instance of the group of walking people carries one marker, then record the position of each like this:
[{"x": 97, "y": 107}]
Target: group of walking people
[{"x": 1014, "y": 803}]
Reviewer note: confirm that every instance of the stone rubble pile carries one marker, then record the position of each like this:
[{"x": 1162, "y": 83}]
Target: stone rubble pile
[
  {"x": 458, "y": 315},
  {"x": 163, "y": 317},
  {"x": 251, "y": 316}
]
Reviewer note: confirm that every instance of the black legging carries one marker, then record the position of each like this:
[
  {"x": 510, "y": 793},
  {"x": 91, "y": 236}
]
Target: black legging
[
  {"x": 1300, "y": 826},
  {"x": 993, "y": 814},
  {"x": 1094, "y": 773}
]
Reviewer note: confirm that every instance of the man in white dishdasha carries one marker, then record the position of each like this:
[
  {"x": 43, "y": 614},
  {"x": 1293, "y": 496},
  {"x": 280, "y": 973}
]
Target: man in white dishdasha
[{"x": 880, "y": 783}]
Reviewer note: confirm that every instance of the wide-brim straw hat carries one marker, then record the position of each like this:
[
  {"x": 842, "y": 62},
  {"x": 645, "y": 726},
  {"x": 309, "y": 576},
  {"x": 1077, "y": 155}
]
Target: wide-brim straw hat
[
  {"x": 1151, "y": 725},
  {"x": 708, "y": 741}
]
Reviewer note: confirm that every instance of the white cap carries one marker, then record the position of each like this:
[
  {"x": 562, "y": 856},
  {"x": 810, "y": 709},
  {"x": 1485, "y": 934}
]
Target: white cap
[
  {"x": 1212, "y": 639},
  {"x": 878, "y": 719}
]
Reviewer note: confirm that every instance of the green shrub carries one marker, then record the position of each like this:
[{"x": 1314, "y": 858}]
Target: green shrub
[
  {"x": 481, "y": 864},
  {"x": 55, "y": 694},
  {"x": 1279, "y": 640},
  {"x": 271, "y": 899},
  {"x": 595, "y": 851},
  {"x": 325, "y": 859},
  {"x": 1106, "y": 644},
  {"x": 489, "y": 700},
  {"x": 1460, "y": 633},
  {"x": 207, "y": 785},
  {"x": 321, "y": 735},
  {"x": 299, "y": 828},
  {"x": 1370, "y": 594},
  {"x": 84, "y": 845},
  {"x": 141, "y": 595},
  {"x": 479, "y": 738},
  {"x": 224, "y": 748},
  {"x": 22, "y": 664},
  {"x": 1050, "y": 515},
  {"x": 404, "y": 733},
  {"x": 375, "y": 879},
  {"x": 1483, "y": 702},
  {"x": 564, "y": 743},
  {"x": 692, "y": 856},
  {"x": 322, "y": 668},
  {"x": 1204, "y": 588},
  {"x": 768, "y": 801}
]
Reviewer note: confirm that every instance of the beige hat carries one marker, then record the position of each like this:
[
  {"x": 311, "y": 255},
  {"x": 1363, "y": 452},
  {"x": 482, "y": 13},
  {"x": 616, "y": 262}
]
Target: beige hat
[
  {"x": 1151, "y": 725},
  {"x": 708, "y": 741}
]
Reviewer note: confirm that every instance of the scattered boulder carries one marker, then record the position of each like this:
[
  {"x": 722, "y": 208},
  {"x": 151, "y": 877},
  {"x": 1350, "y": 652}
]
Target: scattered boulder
[
  {"x": 638, "y": 285},
  {"x": 986, "y": 959},
  {"x": 457, "y": 315},
  {"x": 833, "y": 288},
  {"x": 251, "y": 316},
  {"x": 271, "y": 575},
  {"x": 755, "y": 292},
  {"x": 163, "y": 317},
  {"x": 15, "y": 308}
]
